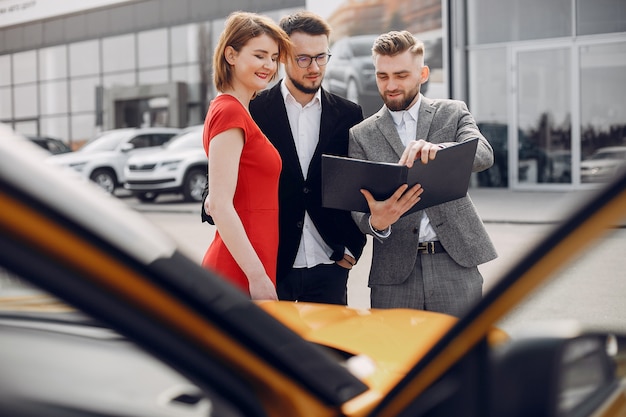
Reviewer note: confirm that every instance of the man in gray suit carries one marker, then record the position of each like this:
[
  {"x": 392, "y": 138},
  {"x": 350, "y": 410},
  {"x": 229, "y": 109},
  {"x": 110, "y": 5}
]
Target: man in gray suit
[{"x": 428, "y": 259}]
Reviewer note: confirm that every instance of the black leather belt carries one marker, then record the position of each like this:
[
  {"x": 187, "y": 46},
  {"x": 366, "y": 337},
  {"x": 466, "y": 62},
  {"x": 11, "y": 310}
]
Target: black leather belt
[{"x": 427, "y": 248}]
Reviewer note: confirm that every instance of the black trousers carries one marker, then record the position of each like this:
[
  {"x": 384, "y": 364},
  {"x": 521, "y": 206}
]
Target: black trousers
[{"x": 324, "y": 283}]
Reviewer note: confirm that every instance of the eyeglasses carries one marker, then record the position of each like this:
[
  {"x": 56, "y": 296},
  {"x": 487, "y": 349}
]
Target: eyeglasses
[{"x": 304, "y": 61}]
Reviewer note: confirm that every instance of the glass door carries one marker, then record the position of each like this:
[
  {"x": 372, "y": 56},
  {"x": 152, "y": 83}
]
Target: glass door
[{"x": 542, "y": 126}]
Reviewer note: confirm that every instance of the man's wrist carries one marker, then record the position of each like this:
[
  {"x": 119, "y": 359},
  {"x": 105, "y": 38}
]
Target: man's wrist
[{"x": 381, "y": 233}]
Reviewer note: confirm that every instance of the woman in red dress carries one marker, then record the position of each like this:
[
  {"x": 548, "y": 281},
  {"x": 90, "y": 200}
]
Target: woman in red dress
[{"x": 244, "y": 166}]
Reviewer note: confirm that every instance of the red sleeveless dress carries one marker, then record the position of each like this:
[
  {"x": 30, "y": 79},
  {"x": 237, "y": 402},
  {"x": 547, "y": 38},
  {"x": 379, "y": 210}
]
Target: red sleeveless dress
[{"x": 256, "y": 193}]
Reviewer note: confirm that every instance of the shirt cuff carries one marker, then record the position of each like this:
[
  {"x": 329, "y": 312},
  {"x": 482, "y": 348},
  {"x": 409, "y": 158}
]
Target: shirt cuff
[{"x": 383, "y": 234}]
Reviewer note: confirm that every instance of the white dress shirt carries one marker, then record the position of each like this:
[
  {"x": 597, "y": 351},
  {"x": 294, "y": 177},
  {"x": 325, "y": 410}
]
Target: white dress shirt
[
  {"x": 406, "y": 124},
  {"x": 305, "y": 128}
]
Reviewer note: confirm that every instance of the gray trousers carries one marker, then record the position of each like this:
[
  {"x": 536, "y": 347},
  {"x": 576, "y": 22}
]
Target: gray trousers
[{"x": 436, "y": 283}]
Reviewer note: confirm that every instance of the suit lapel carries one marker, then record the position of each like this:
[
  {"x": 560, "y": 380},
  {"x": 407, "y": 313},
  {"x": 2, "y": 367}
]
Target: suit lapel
[
  {"x": 424, "y": 118},
  {"x": 281, "y": 134},
  {"x": 387, "y": 127}
]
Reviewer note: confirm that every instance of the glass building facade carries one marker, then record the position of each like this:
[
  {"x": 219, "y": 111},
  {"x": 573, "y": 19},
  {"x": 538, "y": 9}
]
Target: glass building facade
[{"x": 545, "y": 80}]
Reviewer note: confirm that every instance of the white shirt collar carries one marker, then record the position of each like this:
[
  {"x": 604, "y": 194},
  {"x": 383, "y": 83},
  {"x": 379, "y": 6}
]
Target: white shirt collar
[
  {"x": 317, "y": 98},
  {"x": 413, "y": 111}
]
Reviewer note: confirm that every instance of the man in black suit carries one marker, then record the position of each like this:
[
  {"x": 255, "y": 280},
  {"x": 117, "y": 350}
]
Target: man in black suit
[{"x": 317, "y": 246}]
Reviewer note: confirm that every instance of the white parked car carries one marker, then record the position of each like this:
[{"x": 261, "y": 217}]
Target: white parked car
[
  {"x": 102, "y": 159},
  {"x": 179, "y": 167},
  {"x": 603, "y": 164}
]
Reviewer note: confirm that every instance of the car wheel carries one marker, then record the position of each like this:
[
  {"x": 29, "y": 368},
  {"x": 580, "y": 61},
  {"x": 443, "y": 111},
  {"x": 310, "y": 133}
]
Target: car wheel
[
  {"x": 146, "y": 197},
  {"x": 194, "y": 184},
  {"x": 352, "y": 91},
  {"x": 105, "y": 178}
]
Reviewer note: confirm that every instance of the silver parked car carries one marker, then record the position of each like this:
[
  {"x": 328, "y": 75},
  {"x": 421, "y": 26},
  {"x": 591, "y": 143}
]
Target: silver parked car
[
  {"x": 179, "y": 167},
  {"x": 102, "y": 159},
  {"x": 603, "y": 164},
  {"x": 350, "y": 73}
]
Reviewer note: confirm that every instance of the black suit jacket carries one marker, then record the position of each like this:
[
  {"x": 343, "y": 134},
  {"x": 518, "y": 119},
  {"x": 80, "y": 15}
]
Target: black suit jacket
[{"x": 297, "y": 194}]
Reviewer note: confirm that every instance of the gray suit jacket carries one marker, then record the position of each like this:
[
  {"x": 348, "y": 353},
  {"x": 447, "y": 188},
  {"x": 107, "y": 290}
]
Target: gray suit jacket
[{"x": 457, "y": 224}]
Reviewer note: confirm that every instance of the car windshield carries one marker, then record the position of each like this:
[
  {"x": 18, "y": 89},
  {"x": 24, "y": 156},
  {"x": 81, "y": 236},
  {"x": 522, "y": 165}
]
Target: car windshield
[
  {"x": 189, "y": 140},
  {"x": 107, "y": 141}
]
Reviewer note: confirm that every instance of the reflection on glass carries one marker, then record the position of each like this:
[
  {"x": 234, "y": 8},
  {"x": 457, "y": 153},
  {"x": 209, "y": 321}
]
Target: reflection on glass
[
  {"x": 592, "y": 19},
  {"x": 488, "y": 102},
  {"x": 5, "y": 103},
  {"x": 5, "y": 70},
  {"x": 56, "y": 127},
  {"x": 153, "y": 48},
  {"x": 83, "y": 93},
  {"x": 83, "y": 127},
  {"x": 153, "y": 76},
  {"x": 84, "y": 58},
  {"x": 25, "y": 67},
  {"x": 491, "y": 21},
  {"x": 53, "y": 97},
  {"x": 26, "y": 101},
  {"x": 544, "y": 119},
  {"x": 118, "y": 53},
  {"x": 120, "y": 79},
  {"x": 186, "y": 42},
  {"x": 53, "y": 63},
  {"x": 603, "y": 115}
]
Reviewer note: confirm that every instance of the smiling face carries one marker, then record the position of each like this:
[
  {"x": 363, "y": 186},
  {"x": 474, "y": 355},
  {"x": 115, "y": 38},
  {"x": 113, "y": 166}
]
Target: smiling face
[
  {"x": 399, "y": 78},
  {"x": 255, "y": 64},
  {"x": 306, "y": 80}
]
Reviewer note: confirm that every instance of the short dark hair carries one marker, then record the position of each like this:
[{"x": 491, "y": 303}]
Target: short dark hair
[{"x": 305, "y": 22}]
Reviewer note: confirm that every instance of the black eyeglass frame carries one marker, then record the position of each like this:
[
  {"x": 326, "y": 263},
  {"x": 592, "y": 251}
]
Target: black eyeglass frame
[{"x": 302, "y": 59}]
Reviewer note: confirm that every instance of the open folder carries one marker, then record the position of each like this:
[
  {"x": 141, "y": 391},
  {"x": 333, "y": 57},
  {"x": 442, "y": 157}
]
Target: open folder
[{"x": 443, "y": 179}]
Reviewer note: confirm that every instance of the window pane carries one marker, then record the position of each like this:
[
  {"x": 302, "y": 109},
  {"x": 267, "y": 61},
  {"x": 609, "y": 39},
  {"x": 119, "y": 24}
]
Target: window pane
[
  {"x": 26, "y": 127},
  {"x": 492, "y": 21},
  {"x": 118, "y": 53},
  {"x": 25, "y": 67},
  {"x": 153, "y": 48},
  {"x": 25, "y": 101},
  {"x": 603, "y": 114},
  {"x": 5, "y": 70},
  {"x": 488, "y": 101},
  {"x": 156, "y": 76},
  {"x": 53, "y": 63},
  {"x": 5, "y": 103},
  {"x": 83, "y": 128},
  {"x": 189, "y": 74},
  {"x": 604, "y": 16},
  {"x": 55, "y": 127},
  {"x": 83, "y": 94},
  {"x": 53, "y": 97},
  {"x": 84, "y": 58},
  {"x": 115, "y": 80},
  {"x": 544, "y": 115},
  {"x": 186, "y": 43}
]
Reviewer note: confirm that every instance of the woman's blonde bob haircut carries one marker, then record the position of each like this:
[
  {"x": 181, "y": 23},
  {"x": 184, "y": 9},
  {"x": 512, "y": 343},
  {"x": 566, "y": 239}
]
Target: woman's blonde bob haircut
[{"x": 239, "y": 28}]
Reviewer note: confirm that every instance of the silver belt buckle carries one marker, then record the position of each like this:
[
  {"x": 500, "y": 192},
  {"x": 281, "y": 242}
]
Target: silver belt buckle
[{"x": 426, "y": 247}]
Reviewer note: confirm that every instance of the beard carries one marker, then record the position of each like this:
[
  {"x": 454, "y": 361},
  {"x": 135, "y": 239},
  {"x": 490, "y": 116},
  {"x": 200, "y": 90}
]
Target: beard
[
  {"x": 303, "y": 88},
  {"x": 401, "y": 104}
]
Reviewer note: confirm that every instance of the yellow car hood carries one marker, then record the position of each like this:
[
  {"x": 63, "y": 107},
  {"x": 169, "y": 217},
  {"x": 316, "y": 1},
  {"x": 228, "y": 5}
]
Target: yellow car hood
[{"x": 393, "y": 340}]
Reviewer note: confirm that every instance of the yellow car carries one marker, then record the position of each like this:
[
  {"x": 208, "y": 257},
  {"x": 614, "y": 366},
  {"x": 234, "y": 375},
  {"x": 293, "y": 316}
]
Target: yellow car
[{"x": 102, "y": 315}]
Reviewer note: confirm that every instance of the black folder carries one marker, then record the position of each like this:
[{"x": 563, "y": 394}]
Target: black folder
[{"x": 443, "y": 179}]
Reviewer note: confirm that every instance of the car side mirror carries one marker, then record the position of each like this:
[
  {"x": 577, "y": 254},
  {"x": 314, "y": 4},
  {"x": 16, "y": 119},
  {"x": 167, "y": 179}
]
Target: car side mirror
[
  {"x": 556, "y": 376},
  {"x": 127, "y": 147}
]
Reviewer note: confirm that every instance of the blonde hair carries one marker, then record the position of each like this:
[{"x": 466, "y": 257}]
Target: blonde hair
[
  {"x": 396, "y": 42},
  {"x": 240, "y": 27}
]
